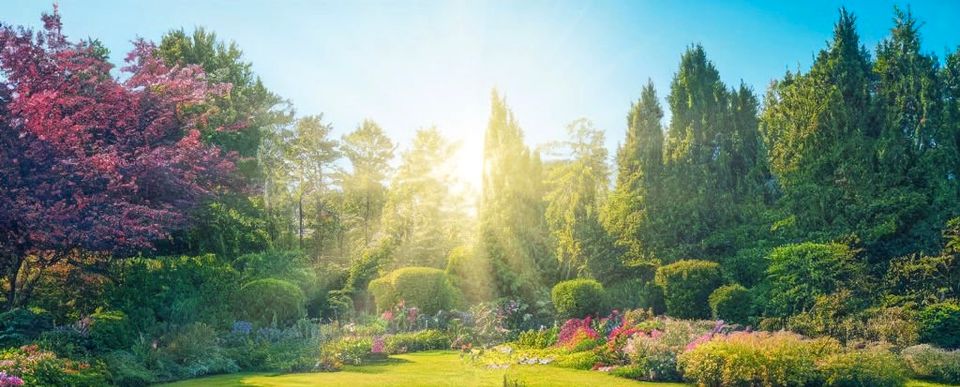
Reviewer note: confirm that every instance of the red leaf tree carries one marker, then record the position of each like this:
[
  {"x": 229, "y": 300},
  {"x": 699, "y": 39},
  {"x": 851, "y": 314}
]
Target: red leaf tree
[{"x": 90, "y": 164}]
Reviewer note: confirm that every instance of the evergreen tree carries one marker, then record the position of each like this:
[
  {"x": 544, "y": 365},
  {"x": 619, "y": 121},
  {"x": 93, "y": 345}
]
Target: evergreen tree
[
  {"x": 514, "y": 237},
  {"x": 369, "y": 150},
  {"x": 639, "y": 164}
]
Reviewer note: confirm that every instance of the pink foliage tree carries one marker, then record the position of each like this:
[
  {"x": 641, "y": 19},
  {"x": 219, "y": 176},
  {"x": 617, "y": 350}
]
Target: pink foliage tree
[{"x": 91, "y": 165}]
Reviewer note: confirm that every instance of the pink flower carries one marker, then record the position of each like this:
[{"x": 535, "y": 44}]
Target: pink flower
[{"x": 388, "y": 315}]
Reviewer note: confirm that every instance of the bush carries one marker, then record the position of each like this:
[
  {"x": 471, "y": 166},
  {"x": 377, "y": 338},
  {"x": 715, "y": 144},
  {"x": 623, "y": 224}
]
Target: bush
[
  {"x": 872, "y": 367},
  {"x": 110, "y": 330},
  {"x": 583, "y": 360},
  {"x": 940, "y": 324},
  {"x": 756, "y": 359},
  {"x": 578, "y": 298},
  {"x": 64, "y": 341},
  {"x": 539, "y": 339},
  {"x": 427, "y": 289},
  {"x": 125, "y": 370},
  {"x": 20, "y": 325},
  {"x": 174, "y": 290},
  {"x": 636, "y": 293},
  {"x": 800, "y": 273},
  {"x": 42, "y": 368},
  {"x": 268, "y": 301},
  {"x": 347, "y": 350},
  {"x": 747, "y": 267},
  {"x": 417, "y": 341},
  {"x": 732, "y": 303},
  {"x": 687, "y": 285},
  {"x": 928, "y": 362}
]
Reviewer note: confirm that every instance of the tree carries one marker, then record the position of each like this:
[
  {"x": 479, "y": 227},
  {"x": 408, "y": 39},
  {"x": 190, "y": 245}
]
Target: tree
[
  {"x": 423, "y": 216},
  {"x": 92, "y": 166},
  {"x": 514, "y": 237},
  {"x": 311, "y": 154},
  {"x": 578, "y": 188},
  {"x": 639, "y": 165},
  {"x": 236, "y": 221},
  {"x": 370, "y": 151}
]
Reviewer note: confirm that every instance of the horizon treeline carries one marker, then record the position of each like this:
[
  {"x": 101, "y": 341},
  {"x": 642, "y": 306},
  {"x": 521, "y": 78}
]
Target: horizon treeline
[{"x": 861, "y": 150}]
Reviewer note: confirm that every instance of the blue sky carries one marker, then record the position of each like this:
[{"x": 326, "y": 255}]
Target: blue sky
[{"x": 415, "y": 64}]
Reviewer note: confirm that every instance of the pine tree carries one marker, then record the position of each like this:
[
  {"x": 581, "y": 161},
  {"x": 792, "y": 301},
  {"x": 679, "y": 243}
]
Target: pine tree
[{"x": 513, "y": 233}]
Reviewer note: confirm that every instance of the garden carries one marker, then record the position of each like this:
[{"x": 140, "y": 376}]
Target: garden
[{"x": 175, "y": 222}]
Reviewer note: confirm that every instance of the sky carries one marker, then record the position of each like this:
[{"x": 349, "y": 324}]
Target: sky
[{"x": 415, "y": 64}]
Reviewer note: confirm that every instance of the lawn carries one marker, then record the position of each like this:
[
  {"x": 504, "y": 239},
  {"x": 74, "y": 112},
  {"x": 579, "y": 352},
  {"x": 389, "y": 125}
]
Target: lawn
[{"x": 437, "y": 368}]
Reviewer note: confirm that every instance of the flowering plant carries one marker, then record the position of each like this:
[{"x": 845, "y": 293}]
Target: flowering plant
[
  {"x": 575, "y": 331},
  {"x": 9, "y": 380}
]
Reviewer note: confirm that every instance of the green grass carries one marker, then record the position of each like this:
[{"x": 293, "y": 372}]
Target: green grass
[{"x": 436, "y": 368}]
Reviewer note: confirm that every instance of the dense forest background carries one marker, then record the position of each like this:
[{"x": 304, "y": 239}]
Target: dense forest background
[{"x": 185, "y": 191}]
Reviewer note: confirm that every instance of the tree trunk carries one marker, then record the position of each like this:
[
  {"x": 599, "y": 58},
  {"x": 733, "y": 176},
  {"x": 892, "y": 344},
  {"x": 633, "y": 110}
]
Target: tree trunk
[
  {"x": 300, "y": 211},
  {"x": 12, "y": 279}
]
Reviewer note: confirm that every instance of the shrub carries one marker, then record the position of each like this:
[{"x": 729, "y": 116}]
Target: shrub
[
  {"x": 174, "y": 290},
  {"x": 758, "y": 358},
  {"x": 747, "y": 266},
  {"x": 578, "y": 298},
  {"x": 575, "y": 331},
  {"x": 800, "y": 273},
  {"x": 347, "y": 350},
  {"x": 125, "y": 370},
  {"x": 538, "y": 338},
  {"x": 41, "y": 368},
  {"x": 583, "y": 360},
  {"x": 20, "y": 325},
  {"x": 270, "y": 300},
  {"x": 687, "y": 285},
  {"x": 426, "y": 288},
  {"x": 425, "y": 340},
  {"x": 731, "y": 303},
  {"x": 940, "y": 324},
  {"x": 872, "y": 367},
  {"x": 636, "y": 293},
  {"x": 110, "y": 330},
  {"x": 64, "y": 341},
  {"x": 928, "y": 362}
]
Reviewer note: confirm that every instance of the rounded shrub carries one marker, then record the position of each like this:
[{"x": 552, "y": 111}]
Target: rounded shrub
[
  {"x": 931, "y": 363},
  {"x": 636, "y": 294},
  {"x": 110, "y": 330},
  {"x": 425, "y": 288},
  {"x": 268, "y": 301},
  {"x": 940, "y": 324},
  {"x": 687, "y": 285},
  {"x": 731, "y": 303},
  {"x": 578, "y": 298}
]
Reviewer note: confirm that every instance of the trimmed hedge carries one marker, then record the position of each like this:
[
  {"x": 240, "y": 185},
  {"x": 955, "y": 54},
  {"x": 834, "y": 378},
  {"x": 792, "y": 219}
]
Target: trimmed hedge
[
  {"x": 687, "y": 285},
  {"x": 578, "y": 298},
  {"x": 731, "y": 303},
  {"x": 270, "y": 300},
  {"x": 931, "y": 363},
  {"x": 426, "y": 288}
]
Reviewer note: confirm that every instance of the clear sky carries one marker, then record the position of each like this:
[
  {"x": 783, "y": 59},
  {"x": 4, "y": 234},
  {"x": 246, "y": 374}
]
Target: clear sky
[{"x": 414, "y": 64}]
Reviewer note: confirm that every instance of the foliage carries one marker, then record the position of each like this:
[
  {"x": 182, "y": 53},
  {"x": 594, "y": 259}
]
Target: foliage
[
  {"x": 636, "y": 294},
  {"x": 425, "y": 288},
  {"x": 577, "y": 334},
  {"x": 732, "y": 303},
  {"x": 137, "y": 163},
  {"x": 687, "y": 285},
  {"x": 19, "y": 325},
  {"x": 152, "y": 292},
  {"x": 932, "y": 363},
  {"x": 41, "y": 368},
  {"x": 110, "y": 330},
  {"x": 539, "y": 339},
  {"x": 939, "y": 324},
  {"x": 870, "y": 367},
  {"x": 758, "y": 358},
  {"x": 579, "y": 298},
  {"x": 513, "y": 233},
  {"x": 271, "y": 301},
  {"x": 424, "y": 340},
  {"x": 799, "y": 273}
]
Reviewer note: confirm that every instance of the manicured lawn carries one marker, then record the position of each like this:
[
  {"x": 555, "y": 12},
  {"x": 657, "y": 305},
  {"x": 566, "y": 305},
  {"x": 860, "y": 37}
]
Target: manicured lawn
[{"x": 437, "y": 368}]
